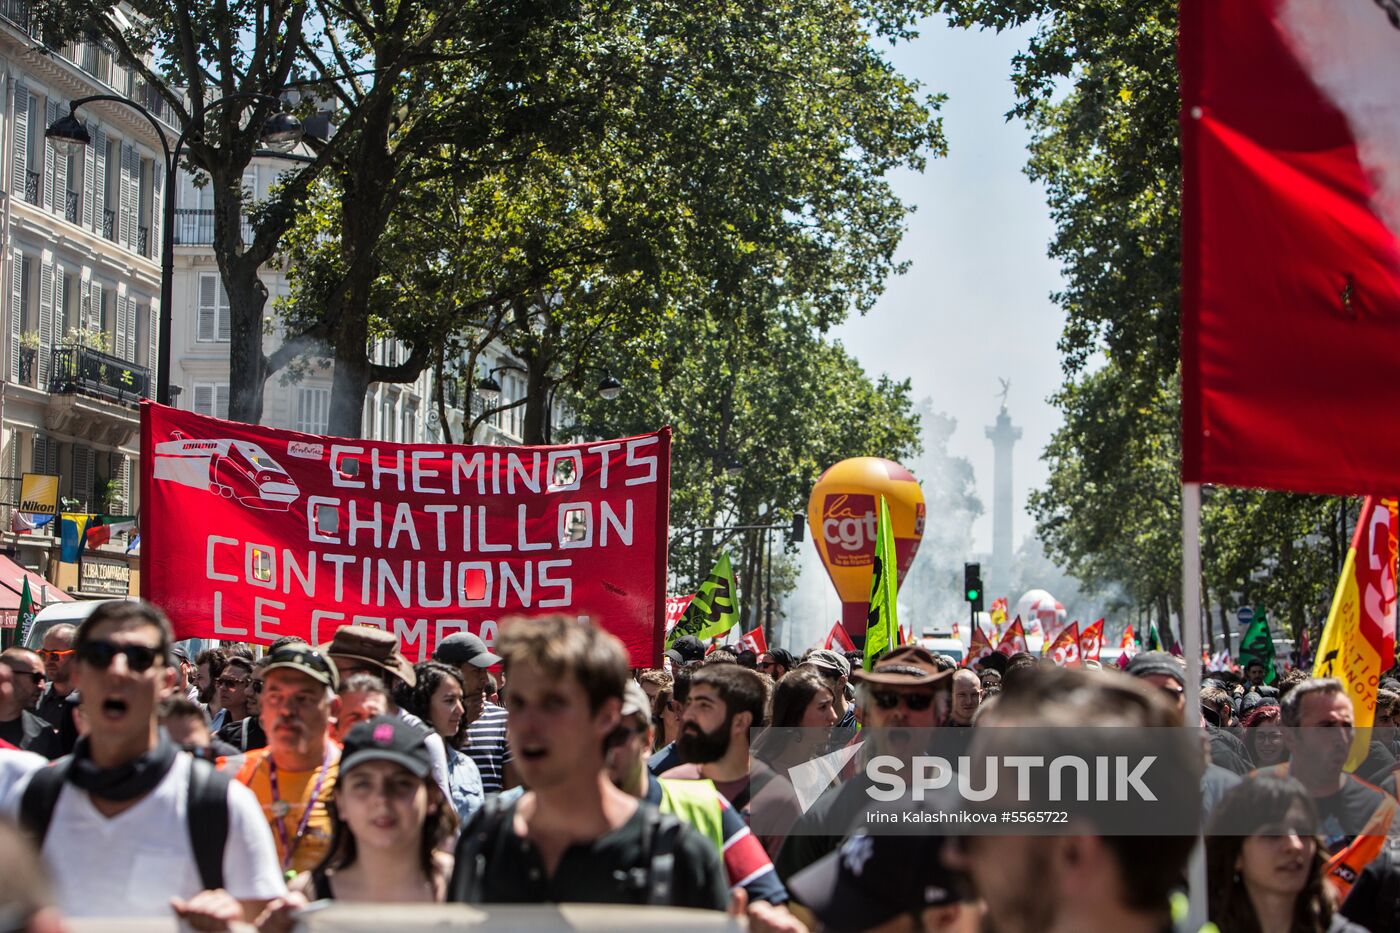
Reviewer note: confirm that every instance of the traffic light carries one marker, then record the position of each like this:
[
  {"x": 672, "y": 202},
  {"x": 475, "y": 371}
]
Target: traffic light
[{"x": 972, "y": 585}]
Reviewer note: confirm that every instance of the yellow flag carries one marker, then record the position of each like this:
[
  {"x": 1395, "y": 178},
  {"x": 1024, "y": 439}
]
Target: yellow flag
[{"x": 1358, "y": 644}]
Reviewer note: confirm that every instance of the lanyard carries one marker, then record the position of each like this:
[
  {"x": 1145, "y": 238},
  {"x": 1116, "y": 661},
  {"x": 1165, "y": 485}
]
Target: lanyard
[{"x": 280, "y": 809}]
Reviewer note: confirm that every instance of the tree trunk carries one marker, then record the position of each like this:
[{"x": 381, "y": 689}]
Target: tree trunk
[
  {"x": 351, "y": 377},
  {"x": 536, "y": 403}
]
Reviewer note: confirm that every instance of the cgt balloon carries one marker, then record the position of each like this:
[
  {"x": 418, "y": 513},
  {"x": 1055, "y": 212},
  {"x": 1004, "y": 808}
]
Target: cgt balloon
[{"x": 843, "y": 513}]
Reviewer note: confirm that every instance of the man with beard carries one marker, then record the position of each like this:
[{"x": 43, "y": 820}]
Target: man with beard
[
  {"x": 57, "y": 655},
  {"x": 906, "y": 690},
  {"x": 115, "y": 819},
  {"x": 725, "y": 702},
  {"x": 207, "y": 668},
  {"x": 23, "y": 677},
  {"x": 294, "y": 776},
  {"x": 1085, "y": 883}
]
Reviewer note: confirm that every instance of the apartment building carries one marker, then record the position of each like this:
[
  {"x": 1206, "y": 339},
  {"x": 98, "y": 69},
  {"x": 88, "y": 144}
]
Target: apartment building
[{"x": 79, "y": 281}]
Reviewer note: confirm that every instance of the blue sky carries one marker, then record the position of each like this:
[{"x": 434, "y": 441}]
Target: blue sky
[{"x": 974, "y": 305}]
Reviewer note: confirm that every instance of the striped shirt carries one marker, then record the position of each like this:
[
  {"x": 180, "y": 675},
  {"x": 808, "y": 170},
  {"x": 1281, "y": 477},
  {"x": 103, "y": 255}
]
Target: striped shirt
[{"x": 486, "y": 745}]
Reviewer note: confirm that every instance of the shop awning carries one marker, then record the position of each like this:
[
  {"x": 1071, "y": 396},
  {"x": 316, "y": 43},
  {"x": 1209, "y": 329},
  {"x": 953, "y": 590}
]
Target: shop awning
[{"x": 12, "y": 577}]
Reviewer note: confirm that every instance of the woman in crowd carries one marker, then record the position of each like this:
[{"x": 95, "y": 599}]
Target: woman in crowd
[
  {"x": 389, "y": 823},
  {"x": 666, "y": 717},
  {"x": 1263, "y": 736},
  {"x": 801, "y": 700},
  {"x": 437, "y": 699},
  {"x": 1265, "y": 862}
]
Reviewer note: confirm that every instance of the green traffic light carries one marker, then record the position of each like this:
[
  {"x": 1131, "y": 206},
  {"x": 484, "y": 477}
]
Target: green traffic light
[{"x": 972, "y": 595}]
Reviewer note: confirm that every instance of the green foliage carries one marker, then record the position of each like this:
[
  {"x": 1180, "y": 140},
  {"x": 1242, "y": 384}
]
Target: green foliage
[{"x": 1097, "y": 86}]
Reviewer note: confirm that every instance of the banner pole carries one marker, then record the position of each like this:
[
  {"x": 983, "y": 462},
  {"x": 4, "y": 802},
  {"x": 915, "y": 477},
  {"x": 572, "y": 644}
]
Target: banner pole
[{"x": 1191, "y": 648}]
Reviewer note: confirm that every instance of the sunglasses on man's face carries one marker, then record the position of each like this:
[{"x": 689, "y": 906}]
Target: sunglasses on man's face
[
  {"x": 100, "y": 654},
  {"x": 915, "y": 702},
  {"x": 37, "y": 676},
  {"x": 49, "y": 654}
]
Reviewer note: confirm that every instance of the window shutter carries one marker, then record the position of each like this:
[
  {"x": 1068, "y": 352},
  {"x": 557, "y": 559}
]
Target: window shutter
[
  {"x": 153, "y": 340},
  {"x": 95, "y": 320},
  {"x": 90, "y": 181},
  {"x": 157, "y": 209},
  {"x": 82, "y": 474},
  {"x": 121, "y": 473},
  {"x": 208, "y": 306},
  {"x": 99, "y": 181},
  {"x": 221, "y": 400},
  {"x": 60, "y": 170},
  {"x": 50, "y": 194},
  {"x": 16, "y": 309},
  {"x": 45, "y": 321},
  {"x": 130, "y": 356},
  {"x": 120, "y": 345},
  {"x": 20, "y": 162},
  {"x": 126, "y": 235},
  {"x": 203, "y": 399},
  {"x": 223, "y": 314}
]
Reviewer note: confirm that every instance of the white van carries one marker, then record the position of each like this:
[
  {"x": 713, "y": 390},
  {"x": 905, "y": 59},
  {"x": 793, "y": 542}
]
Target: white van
[{"x": 75, "y": 612}]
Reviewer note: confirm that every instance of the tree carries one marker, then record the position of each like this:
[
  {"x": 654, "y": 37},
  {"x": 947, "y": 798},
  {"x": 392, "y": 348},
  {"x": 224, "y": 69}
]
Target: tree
[
  {"x": 757, "y": 414},
  {"x": 1097, "y": 85},
  {"x": 622, "y": 164}
]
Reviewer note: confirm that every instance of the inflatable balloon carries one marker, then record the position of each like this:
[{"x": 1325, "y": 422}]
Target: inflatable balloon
[
  {"x": 1041, "y": 614},
  {"x": 843, "y": 513}
]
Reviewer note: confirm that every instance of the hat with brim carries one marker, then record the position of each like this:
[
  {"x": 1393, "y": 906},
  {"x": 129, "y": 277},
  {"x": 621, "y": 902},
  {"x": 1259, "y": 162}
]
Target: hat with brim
[
  {"x": 905, "y": 666},
  {"x": 304, "y": 659},
  {"x": 386, "y": 738},
  {"x": 871, "y": 880},
  {"x": 372, "y": 646}
]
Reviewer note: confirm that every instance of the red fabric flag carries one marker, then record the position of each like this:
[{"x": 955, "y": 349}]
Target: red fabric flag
[
  {"x": 1065, "y": 649},
  {"x": 675, "y": 609},
  {"x": 1091, "y": 642},
  {"x": 1014, "y": 640},
  {"x": 979, "y": 648},
  {"x": 838, "y": 640},
  {"x": 754, "y": 641},
  {"x": 1290, "y": 131}
]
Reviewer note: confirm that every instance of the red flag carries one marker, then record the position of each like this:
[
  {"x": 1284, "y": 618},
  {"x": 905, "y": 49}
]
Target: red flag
[
  {"x": 753, "y": 641},
  {"x": 838, "y": 640},
  {"x": 1091, "y": 642},
  {"x": 1014, "y": 640},
  {"x": 675, "y": 609},
  {"x": 1065, "y": 649},
  {"x": 1290, "y": 244},
  {"x": 979, "y": 648}
]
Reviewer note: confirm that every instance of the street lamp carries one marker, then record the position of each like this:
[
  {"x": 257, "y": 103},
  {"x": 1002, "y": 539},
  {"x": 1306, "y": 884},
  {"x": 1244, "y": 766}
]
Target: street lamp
[
  {"x": 609, "y": 387},
  {"x": 280, "y": 133}
]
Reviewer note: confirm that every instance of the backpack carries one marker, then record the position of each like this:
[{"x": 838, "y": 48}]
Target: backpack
[
  {"x": 659, "y": 838},
  {"x": 207, "y": 813}
]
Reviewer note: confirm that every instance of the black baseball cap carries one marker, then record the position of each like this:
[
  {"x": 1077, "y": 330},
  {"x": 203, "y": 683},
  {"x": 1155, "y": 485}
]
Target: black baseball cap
[
  {"x": 871, "y": 880},
  {"x": 299, "y": 656},
  {"x": 465, "y": 648},
  {"x": 387, "y": 738},
  {"x": 688, "y": 648}
]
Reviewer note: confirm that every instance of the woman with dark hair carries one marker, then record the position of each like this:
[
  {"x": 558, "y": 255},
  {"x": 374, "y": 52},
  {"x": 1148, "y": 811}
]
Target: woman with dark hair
[
  {"x": 1265, "y": 862},
  {"x": 437, "y": 698},
  {"x": 1262, "y": 731},
  {"x": 666, "y": 718},
  {"x": 389, "y": 822},
  {"x": 801, "y": 701}
]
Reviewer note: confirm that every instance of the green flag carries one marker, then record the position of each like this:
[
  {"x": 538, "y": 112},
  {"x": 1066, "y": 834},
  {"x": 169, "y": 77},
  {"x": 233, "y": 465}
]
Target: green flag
[
  {"x": 882, "y": 622},
  {"x": 1154, "y": 639},
  {"x": 24, "y": 617},
  {"x": 714, "y": 610},
  {"x": 1258, "y": 645}
]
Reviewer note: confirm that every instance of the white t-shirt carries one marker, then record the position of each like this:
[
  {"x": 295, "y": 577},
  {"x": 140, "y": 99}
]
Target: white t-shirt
[
  {"x": 132, "y": 864},
  {"x": 15, "y": 764}
]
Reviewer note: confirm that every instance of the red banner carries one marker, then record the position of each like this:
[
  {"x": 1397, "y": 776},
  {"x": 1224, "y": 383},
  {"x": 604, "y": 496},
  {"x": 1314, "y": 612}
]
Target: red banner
[
  {"x": 675, "y": 609},
  {"x": 250, "y": 533},
  {"x": 1290, "y": 244}
]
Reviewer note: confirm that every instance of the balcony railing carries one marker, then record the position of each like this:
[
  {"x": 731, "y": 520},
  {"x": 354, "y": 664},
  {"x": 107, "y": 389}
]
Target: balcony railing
[
  {"x": 143, "y": 240},
  {"x": 195, "y": 227},
  {"x": 84, "y": 371},
  {"x": 31, "y": 187},
  {"x": 109, "y": 225},
  {"x": 72, "y": 207},
  {"x": 17, "y": 12}
]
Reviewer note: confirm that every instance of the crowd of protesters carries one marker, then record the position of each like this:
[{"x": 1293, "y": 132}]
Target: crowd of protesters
[{"x": 241, "y": 785}]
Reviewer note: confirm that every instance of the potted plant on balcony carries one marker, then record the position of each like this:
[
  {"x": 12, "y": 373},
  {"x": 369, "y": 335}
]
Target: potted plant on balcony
[
  {"x": 28, "y": 357},
  {"x": 87, "y": 337}
]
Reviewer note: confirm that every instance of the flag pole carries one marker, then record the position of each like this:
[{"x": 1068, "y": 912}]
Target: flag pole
[{"x": 1191, "y": 648}]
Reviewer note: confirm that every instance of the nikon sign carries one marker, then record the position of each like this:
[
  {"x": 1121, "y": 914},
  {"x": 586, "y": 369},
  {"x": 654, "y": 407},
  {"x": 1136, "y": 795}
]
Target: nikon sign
[{"x": 38, "y": 494}]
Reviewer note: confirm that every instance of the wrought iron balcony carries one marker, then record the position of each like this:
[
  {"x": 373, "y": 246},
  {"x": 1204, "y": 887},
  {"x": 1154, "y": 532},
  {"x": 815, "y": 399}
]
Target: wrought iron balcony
[
  {"x": 72, "y": 207},
  {"x": 109, "y": 225},
  {"x": 85, "y": 371},
  {"x": 143, "y": 240},
  {"x": 195, "y": 227},
  {"x": 31, "y": 187}
]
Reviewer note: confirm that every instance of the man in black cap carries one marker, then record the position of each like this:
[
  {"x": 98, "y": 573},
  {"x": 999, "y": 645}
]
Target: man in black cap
[
  {"x": 486, "y": 742},
  {"x": 776, "y": 663},
  {"x": 685, "y": 651},
  {"x": 836, "y": 671}
]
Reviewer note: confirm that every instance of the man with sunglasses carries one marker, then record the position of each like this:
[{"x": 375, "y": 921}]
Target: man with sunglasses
[
  {"x": 776, "y": 663},
  {"x": 114, "y": 820},
  {"x": 906, "y": 689},
  {"x": 21, "y": 679},
  {"x": 57, "y": 654}
]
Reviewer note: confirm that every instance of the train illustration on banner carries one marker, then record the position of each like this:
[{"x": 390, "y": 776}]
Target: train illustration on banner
[{"x": 237, "y": 470}]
